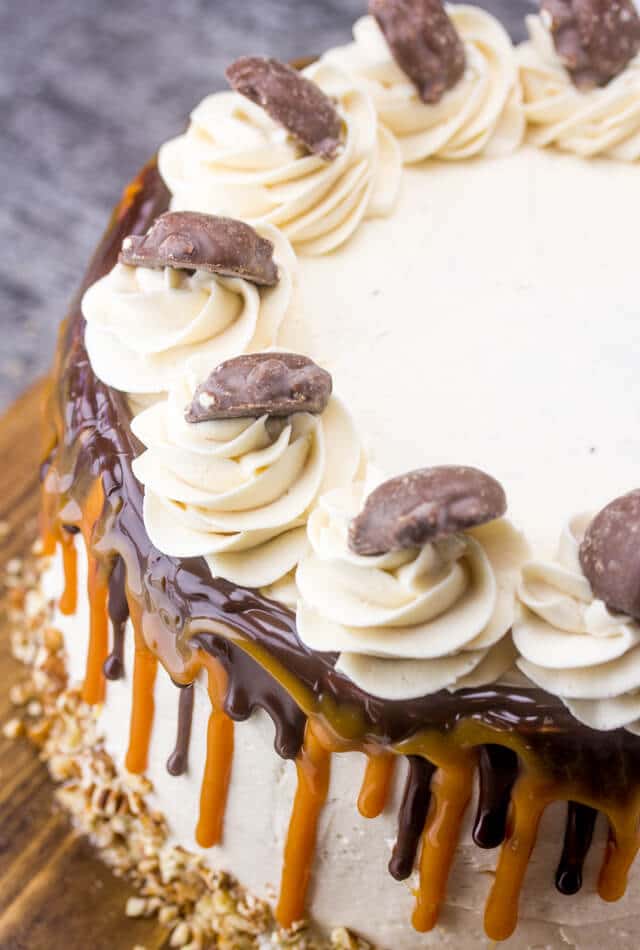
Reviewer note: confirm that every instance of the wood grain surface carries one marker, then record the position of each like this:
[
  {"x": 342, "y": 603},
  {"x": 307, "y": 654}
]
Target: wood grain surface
[{"x": 54, "y": 893}]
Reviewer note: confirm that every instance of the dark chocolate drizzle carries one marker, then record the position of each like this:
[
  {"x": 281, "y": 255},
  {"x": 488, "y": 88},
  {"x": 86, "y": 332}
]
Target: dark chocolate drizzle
[
  {"x": 411, "y": 817},
  {"x": 178, "y": 761},
  {"x": 498, "y": 769},
  {"x": 251, "y": 687},
  {"x": 119, "y": 614},
  {"x": 581, "y": 821},
  {"x": 185, "y": 605}
]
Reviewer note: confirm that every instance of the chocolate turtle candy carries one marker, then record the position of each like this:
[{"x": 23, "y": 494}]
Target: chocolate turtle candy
[
  {"x": 193, "y": 241},
  {"x": 424, "y": 43},
  {"x": 595, "y": 39},
  {"x": 610, "y": 554},
  {"x": 258, "y": 384},
  {"x": 292, "y": 100},
  {"x": 425, "y": 505}
]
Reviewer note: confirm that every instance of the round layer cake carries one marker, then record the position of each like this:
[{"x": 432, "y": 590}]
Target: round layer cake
[{"x": 342, "y": 476}]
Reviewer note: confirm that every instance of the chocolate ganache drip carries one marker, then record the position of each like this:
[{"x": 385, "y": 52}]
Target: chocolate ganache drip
[
  {"x": 519, "y": 736},
  {"x": 118, "y": 614},
  {"x": 411, "y": 817},
  {"x": 581, "y": 821},
  {"x": 498, "y": 768},
  {"x": 178, "y": 761}
]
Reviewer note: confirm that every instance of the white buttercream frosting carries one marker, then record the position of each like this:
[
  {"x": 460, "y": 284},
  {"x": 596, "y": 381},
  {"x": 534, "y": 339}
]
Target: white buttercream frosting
[
  {"x": 412, "y": 622},
  {"x": 481, "y": 113},
  {"x": 238, "y": 491},
  {"x": 234, "y": 159},
  {"x": 572, "y": 645},
  {"x": 600, "y": 121},
  {"x": 144, "y": 325}
]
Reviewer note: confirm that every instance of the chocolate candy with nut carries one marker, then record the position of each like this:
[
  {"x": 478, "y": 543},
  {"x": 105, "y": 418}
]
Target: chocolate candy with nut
[
  {"x": 292, "y": 100},
  {"x": 424, "y": 43},
  {"x": 258, "y": 384},
  {"x": 610, "y": 554},
  {"x": 187, "y": 240},
  {"x": 595, "y": 39},
  {"x": 425, "y": 505}
]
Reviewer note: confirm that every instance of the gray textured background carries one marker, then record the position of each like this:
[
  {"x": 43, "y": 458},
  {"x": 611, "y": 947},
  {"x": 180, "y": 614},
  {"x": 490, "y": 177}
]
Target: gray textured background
[{"x": 88, "y": 90}]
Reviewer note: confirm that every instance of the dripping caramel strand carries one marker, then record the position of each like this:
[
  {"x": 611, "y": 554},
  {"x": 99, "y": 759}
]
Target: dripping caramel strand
[
  {"x": 93, "y": 690},
  {"x": 69, "y": 599},
  {"x": 217, "y": 771},
  {"x": 313, "y": 767},
  {"x": 451, "y": 790},
  {"x": 376, "y": 784},
  {"x": 529, "y": 799},
  {"x": 622, "y": 847},
  {"x": 145, "y": 669}
]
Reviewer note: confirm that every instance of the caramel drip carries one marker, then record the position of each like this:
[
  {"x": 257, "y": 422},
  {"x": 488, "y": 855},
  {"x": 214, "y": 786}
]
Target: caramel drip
[
  {"x": 313, "y": 766},
  {"x": 145, "y": 669},
  {"x": 451, "y": 789},
  {"x": 93, "y": 690},
  {"x": 48, "y": 520},
  {"x": 528, "y": 801},
  {"x": 69, "y": 599},
  {"x": 411, "y": 817},
  {"x": 581, "y": 820},
  {"x": 622, "y": 847},
  {"x": 217, "y": 770},
  {"x": 178, "y": 761},
  {"x": 376, "y": 784}
]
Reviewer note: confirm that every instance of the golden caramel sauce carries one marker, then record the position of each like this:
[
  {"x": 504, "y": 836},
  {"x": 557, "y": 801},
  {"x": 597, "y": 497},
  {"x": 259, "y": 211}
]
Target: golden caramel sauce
[
  {"x": 313, "y": 767},
  {"x": 217, "y": 771},
  {"x": 145, "y": 669},
  {"x": 69, "y": 599},
  {"x": 529, "y": 799},
  {"x": 93, "y": 689},
  {"x": 451, "y": 789},
  {"x": 376, "y": 784}
]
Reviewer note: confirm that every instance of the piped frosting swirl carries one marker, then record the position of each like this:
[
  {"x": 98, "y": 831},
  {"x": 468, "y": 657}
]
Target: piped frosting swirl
[
  {"x": 572, "y": 645},
  {"x": 234, "y": 159},
  {"x": 145, "y": 325},
  {"x": 481, "y": 113},
  {"x": 238, "y": 491},
  {"x": 600, "y": 121},
  {"x": 408, "y": 623}
]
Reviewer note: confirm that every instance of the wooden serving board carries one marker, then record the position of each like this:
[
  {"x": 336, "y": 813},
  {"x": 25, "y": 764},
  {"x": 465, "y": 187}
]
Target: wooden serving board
[{"x": 54, "y": 892}]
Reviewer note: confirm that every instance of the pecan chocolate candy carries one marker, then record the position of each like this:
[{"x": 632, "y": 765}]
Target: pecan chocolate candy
[
  {"x": 192, "y": 241},
  {"x": 595, "y": 39},
  {"x": 424, "y": 43},
  {"x": 425, "y": 505},
  {"x": 293, "y": 101},
  {"x": 610, "y": 554},
  {"x": 258, "y": 384}
]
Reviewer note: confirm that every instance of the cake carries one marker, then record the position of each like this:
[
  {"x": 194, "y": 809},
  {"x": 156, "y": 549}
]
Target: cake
[{"x": 340, "y": 498}]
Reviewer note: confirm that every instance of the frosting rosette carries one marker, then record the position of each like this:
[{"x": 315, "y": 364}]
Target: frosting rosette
[
  {"x": 412, "y": 622},
  {"x": 601, "y": 121},
  {"x": 481, "y": 113},
  {"x": 235, "y": 160},
  {"x": 144, "y": 325},
  {"x": 238, "y": 491},
  {"x": 572, "y": 645}
]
